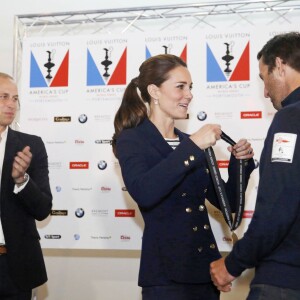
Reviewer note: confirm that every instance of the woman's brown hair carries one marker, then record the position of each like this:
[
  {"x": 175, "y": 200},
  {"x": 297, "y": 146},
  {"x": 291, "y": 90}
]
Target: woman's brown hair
[{"x": 132, "y": 111}]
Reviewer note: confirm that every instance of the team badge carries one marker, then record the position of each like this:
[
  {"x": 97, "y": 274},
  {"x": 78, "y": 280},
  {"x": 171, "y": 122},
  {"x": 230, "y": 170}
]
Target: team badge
[{"x": 283, "y": 147}]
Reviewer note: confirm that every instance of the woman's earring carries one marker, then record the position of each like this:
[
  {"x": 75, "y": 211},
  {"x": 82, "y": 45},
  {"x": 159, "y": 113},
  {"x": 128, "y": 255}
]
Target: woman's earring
[{"x": 155, "y": 101}]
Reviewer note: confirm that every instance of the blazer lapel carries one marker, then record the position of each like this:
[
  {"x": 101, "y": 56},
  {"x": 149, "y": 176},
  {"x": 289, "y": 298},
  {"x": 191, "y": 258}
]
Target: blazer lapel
[
  {"x": 13, "y": 145},
  {"x": 153, "y": 136}
]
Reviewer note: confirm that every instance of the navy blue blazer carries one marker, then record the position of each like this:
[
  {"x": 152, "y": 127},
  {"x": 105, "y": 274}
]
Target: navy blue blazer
[
  {"x": 19, "y": 211},
  {"x": 170, "y": 187}
]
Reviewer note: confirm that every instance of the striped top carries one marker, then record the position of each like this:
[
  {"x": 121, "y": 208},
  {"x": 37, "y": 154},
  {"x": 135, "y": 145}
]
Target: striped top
[{"x": 173, "y": 142}]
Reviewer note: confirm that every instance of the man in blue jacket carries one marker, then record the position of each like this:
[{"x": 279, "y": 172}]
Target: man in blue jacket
[
  {"x": 272, "y": 241},
  {"x": 25, "y": 197}
]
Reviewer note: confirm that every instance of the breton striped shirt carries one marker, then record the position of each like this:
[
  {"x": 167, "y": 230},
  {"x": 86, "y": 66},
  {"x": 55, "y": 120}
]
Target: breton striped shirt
[{"x": 173, "y": 142}]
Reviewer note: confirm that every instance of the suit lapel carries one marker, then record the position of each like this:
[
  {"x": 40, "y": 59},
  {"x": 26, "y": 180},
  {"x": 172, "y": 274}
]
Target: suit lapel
[
  {"x": 12, "y": 146},
  {"x": 153, "y": 136}
]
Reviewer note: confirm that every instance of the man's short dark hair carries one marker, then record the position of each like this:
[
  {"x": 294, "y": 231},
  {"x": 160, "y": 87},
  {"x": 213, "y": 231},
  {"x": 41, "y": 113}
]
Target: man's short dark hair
[{"x": 285, "y": 46}]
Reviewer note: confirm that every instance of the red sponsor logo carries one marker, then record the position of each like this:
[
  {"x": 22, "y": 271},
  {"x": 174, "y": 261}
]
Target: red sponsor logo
[
  {"x": 130, "y": 213},
  {"x": 223, "y": 163},
  {"x": 251, "y": 115},
  {"x": 105, "y": 189},
  {"x": 79, "y": 142},
  {"x": 248, "y": 214},
  {"x": 79, "y": 165},
  {"x": 281, "y": 140}
]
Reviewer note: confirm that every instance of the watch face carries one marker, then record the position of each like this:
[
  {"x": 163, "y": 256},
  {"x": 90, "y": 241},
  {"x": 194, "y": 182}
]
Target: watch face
[{"x": 25, "y": 179}]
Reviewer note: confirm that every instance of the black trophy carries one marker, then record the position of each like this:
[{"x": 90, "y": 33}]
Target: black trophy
[
  {"x": 227, "y": 59},
  {"x": 49, "y": 65},
  {"x": 106, "y": 62},
  {"x": 166, "y": 49}
]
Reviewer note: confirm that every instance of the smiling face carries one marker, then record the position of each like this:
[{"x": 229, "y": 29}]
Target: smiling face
[
  {"x": 8, "y": 102},
  {"x": 174, "y": 95}
]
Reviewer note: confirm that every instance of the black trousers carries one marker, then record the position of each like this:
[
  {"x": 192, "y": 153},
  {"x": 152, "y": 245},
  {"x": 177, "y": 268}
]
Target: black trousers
[
  {"x": 8, "y": 289},
  {"x": 181, "y": 292}
]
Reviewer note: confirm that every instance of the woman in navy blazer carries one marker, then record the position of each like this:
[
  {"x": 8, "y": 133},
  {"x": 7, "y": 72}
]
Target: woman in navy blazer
[{"x": 166, "y": 173}]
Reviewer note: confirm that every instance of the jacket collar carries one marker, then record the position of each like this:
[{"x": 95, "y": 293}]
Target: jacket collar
[
  {"x": 13, "y": 144},
  {"x": 153, "y": 136},
  {"x": 293, "y": 97}
]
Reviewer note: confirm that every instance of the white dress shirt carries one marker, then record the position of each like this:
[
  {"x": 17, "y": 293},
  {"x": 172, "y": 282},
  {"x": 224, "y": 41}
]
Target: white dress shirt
[{"x": 2, "y": 152}]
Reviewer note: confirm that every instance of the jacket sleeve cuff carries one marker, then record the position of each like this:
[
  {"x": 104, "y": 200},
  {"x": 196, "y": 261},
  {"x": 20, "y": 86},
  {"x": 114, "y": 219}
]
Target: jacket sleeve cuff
[{"x": 232, "y": 266}]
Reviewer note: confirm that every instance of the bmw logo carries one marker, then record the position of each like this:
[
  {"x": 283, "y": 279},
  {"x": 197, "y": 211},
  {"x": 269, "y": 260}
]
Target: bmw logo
[
  {"x": 102, "y": 164},
  {"x": 79, "y": 213},
  {"x": 82, "y": 118},
  {"x": 201, "y": 115}
]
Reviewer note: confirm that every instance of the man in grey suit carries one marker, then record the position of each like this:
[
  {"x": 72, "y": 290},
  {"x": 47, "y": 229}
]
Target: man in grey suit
[{"x": 25, "y": 197}]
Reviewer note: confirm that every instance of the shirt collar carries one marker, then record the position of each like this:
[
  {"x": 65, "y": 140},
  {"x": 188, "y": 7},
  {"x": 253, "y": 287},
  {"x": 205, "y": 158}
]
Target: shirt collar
[
  {"x": 293, "y": 97},
  {"x": 4, "y": 135}
]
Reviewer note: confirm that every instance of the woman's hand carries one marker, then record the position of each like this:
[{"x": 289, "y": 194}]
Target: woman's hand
[{"x": 207, "y": 136}]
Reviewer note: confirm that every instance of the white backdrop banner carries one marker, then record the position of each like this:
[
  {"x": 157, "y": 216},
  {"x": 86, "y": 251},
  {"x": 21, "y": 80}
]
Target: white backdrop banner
[{"x": 71, "y": 88}]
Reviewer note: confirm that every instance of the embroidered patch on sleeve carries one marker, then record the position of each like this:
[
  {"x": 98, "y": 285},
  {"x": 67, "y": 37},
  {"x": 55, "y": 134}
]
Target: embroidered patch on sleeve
[{"x": 283, "y": 147}]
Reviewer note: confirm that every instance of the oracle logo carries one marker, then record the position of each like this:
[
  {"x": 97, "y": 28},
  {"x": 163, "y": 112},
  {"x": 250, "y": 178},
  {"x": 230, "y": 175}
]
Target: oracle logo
[
  {"x": 248, "y": 214},
  {"x": 223, "y": 163},
  {"x": 251, "y": 115},
  {"x": 130, "y": 213},
  {"x": 79, "y": 165}
]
